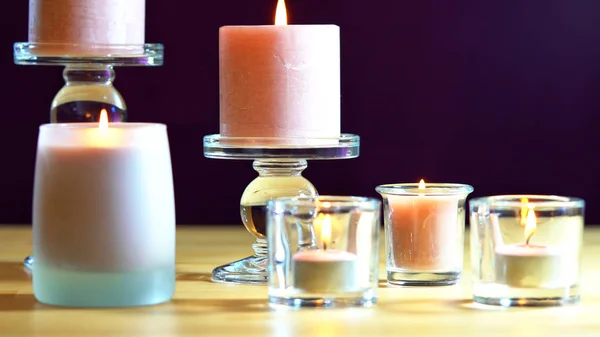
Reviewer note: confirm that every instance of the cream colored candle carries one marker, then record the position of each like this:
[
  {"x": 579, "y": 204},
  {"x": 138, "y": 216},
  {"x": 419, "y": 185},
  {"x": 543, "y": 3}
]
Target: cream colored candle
[
  {"x": 280, "y": 81},
  {"x": 81, "y": 24},
  {"x": 103, "y": 215},
  {"x": 325, "y": 270},
  {"x": 528, "y": 265}
]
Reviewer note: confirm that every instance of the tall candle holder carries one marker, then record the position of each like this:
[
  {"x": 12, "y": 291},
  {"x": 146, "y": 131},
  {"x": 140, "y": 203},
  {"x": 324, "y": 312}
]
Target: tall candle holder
[
  {"x": 279, "y": 170},
  {"x": 89, "y": 74}
]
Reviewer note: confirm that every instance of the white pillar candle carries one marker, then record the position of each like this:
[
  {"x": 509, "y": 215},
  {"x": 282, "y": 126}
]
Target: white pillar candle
[
  {"x": 280, "y": 81},
  {"x": 81, "y": 24},
  {"x": 103, "y": 215}
]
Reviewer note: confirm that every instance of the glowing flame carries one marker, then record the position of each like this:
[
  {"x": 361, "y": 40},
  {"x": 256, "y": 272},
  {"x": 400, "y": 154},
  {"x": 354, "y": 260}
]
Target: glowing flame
[
  {"x": 280, "y": 14},
  {"x": 103, "y": 124},
  {"x": 422, "y": 184},
  {"x": 524, "y": 208},
  {"x": 325, "y": 230},
  {"x": 530, "y": 225}
]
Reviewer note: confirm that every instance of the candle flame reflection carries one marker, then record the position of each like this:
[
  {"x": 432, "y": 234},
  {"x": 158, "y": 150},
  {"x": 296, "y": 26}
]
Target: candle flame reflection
[
  {"x": 530, "y": 225},
  {"x": 103, "y": 123},
  {"x": 422, "y": 184},
  {"x": 524, "y": 208},
  {"x": 280, "y": 14}
]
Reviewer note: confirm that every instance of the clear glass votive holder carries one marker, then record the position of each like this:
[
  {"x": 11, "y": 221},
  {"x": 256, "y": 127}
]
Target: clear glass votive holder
[
  {"x": 525, "y": 249},
  {"x": 323, "y": 251},
  {"x": 424, "y": 229}
]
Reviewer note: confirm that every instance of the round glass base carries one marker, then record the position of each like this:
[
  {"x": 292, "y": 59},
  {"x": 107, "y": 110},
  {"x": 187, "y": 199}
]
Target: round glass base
[
  {"x": 28, "y": 262},
  {"x": 419, "y": 279},
  {"x": 251, "y": 270},
  {"x": 345, "y": 147},
  {"x": 506, "y": 296},
  {"x": 27, "y": 53},
  {"x": 527, "y": 302},
  {"x": 366, "y": 300}
]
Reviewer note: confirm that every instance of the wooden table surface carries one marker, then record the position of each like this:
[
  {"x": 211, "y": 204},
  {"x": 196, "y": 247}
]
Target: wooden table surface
[{"x": 203, "y": 308}]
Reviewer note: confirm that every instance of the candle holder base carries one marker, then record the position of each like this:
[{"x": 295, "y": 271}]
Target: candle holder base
[
  {"x": 362, "y": 300},
  {"x": 421, "y": 279},
  {"x": 250, "y": 270},
  {"x": 89, "y": 75},
  {"x": 503, "y": 295},
  {"x": 279, "y": 163}
]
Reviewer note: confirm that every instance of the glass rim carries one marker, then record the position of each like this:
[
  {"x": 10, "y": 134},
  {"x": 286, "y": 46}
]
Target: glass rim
[
  {"x": 535, "y": 200},
  {"x": 435, "y": 189},
  {"x": 94, "y": 125},
  {"x": 332, "y": 202}
]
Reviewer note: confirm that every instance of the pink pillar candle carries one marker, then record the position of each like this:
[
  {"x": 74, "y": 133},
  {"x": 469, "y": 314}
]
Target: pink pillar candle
[
  {"x": 424, "y": 232},
  {"x": 86, "y": 27},
  {"x": 280, "y": 81}
]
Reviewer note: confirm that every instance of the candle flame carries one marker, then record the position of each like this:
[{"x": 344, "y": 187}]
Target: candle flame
[
  {"x": 325, "y": 230},
  {"x": 422, "y": 184},
  {"x": 103, "y": 123},
  {"x": 530, "y": 225},
  {"x": 280, "y": 13},
  {"x": 524, "y": 208}
]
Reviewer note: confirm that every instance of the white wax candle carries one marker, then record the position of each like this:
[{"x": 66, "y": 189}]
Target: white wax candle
[
  {"x": 280, "y": 81},
  {"x": 324, "y": 271},
  {"x": 532, "y": 266},
  {"x": 80, "y": 24},
  {"x": 103, "y": 198}
]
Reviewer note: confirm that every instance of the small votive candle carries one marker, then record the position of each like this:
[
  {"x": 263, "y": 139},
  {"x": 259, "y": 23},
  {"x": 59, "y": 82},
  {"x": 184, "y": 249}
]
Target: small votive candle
[
  {"x": 323, "y": 251},
  {"x": 103, "y": 215},
  {"x": 525, "y": 249},
  {"x": 424, "y": 228}
]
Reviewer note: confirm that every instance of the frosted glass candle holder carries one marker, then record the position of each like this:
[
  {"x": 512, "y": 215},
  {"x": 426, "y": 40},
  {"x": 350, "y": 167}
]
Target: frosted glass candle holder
[
  {"x": 103, "y": 215},
  {"x": 323, "y": 251},
  {"x": 525, "y": 249},
  {"x": 424, "y": 228}
]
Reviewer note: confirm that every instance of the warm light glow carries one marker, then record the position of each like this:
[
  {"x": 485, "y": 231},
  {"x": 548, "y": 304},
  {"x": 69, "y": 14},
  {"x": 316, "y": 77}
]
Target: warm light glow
[
  {"x": 530, "y": 225},
  {"x": 280, "y": 14},
  {"x": 103, "y": 124},
  {"x": 524, "y": 208},
  {"x": 422, "y": 184},
  {"x": 326, "y": 230}
]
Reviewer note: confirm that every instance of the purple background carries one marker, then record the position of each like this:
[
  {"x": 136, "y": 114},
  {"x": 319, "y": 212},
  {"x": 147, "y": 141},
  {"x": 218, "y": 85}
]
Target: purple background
[{"x": 502, "y": 95}]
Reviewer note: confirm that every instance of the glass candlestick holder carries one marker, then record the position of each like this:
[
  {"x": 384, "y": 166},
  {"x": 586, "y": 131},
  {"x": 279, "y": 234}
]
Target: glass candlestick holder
[
  {"x": 525, "y": 249},
  {"x": 279, "y": 170},
  {"x": 89, "y": 73}
]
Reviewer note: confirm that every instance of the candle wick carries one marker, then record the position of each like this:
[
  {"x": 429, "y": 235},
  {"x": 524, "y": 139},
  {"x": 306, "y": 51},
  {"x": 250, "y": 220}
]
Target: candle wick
[
  {"x": 324, "y": 245},
  {"x": 528, "y": 238}
]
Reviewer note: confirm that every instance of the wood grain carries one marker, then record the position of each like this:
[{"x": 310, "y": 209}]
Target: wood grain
[{"x": 203, "y": 308}]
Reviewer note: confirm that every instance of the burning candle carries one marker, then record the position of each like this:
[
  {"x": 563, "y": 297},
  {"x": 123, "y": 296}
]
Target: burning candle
[
  {"x": 324, "y": 270},
  {"x": 103, "y": 215},
  {"x": 86, "y": 27},
  {"x": 529, "y": 265},
  {"x": 280, "y": 80},
  {"x": 423, "y": 229}
]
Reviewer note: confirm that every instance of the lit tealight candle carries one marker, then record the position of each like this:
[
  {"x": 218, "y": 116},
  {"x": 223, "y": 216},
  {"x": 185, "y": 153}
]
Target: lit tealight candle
[
  {"x": 527, "y": 265},
  {"x": 324, "y": 270}
]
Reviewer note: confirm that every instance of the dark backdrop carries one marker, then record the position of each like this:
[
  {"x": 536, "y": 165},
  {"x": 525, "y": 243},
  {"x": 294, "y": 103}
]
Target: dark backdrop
[{"x": 502, "y": 95}]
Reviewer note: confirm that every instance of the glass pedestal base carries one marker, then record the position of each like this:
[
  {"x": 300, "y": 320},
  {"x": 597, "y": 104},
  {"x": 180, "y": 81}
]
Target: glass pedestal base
[
  {"x": 279, "y": 163},
  {"x": 422, "y": 279},
  {"x": 250, "y": 270}
]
